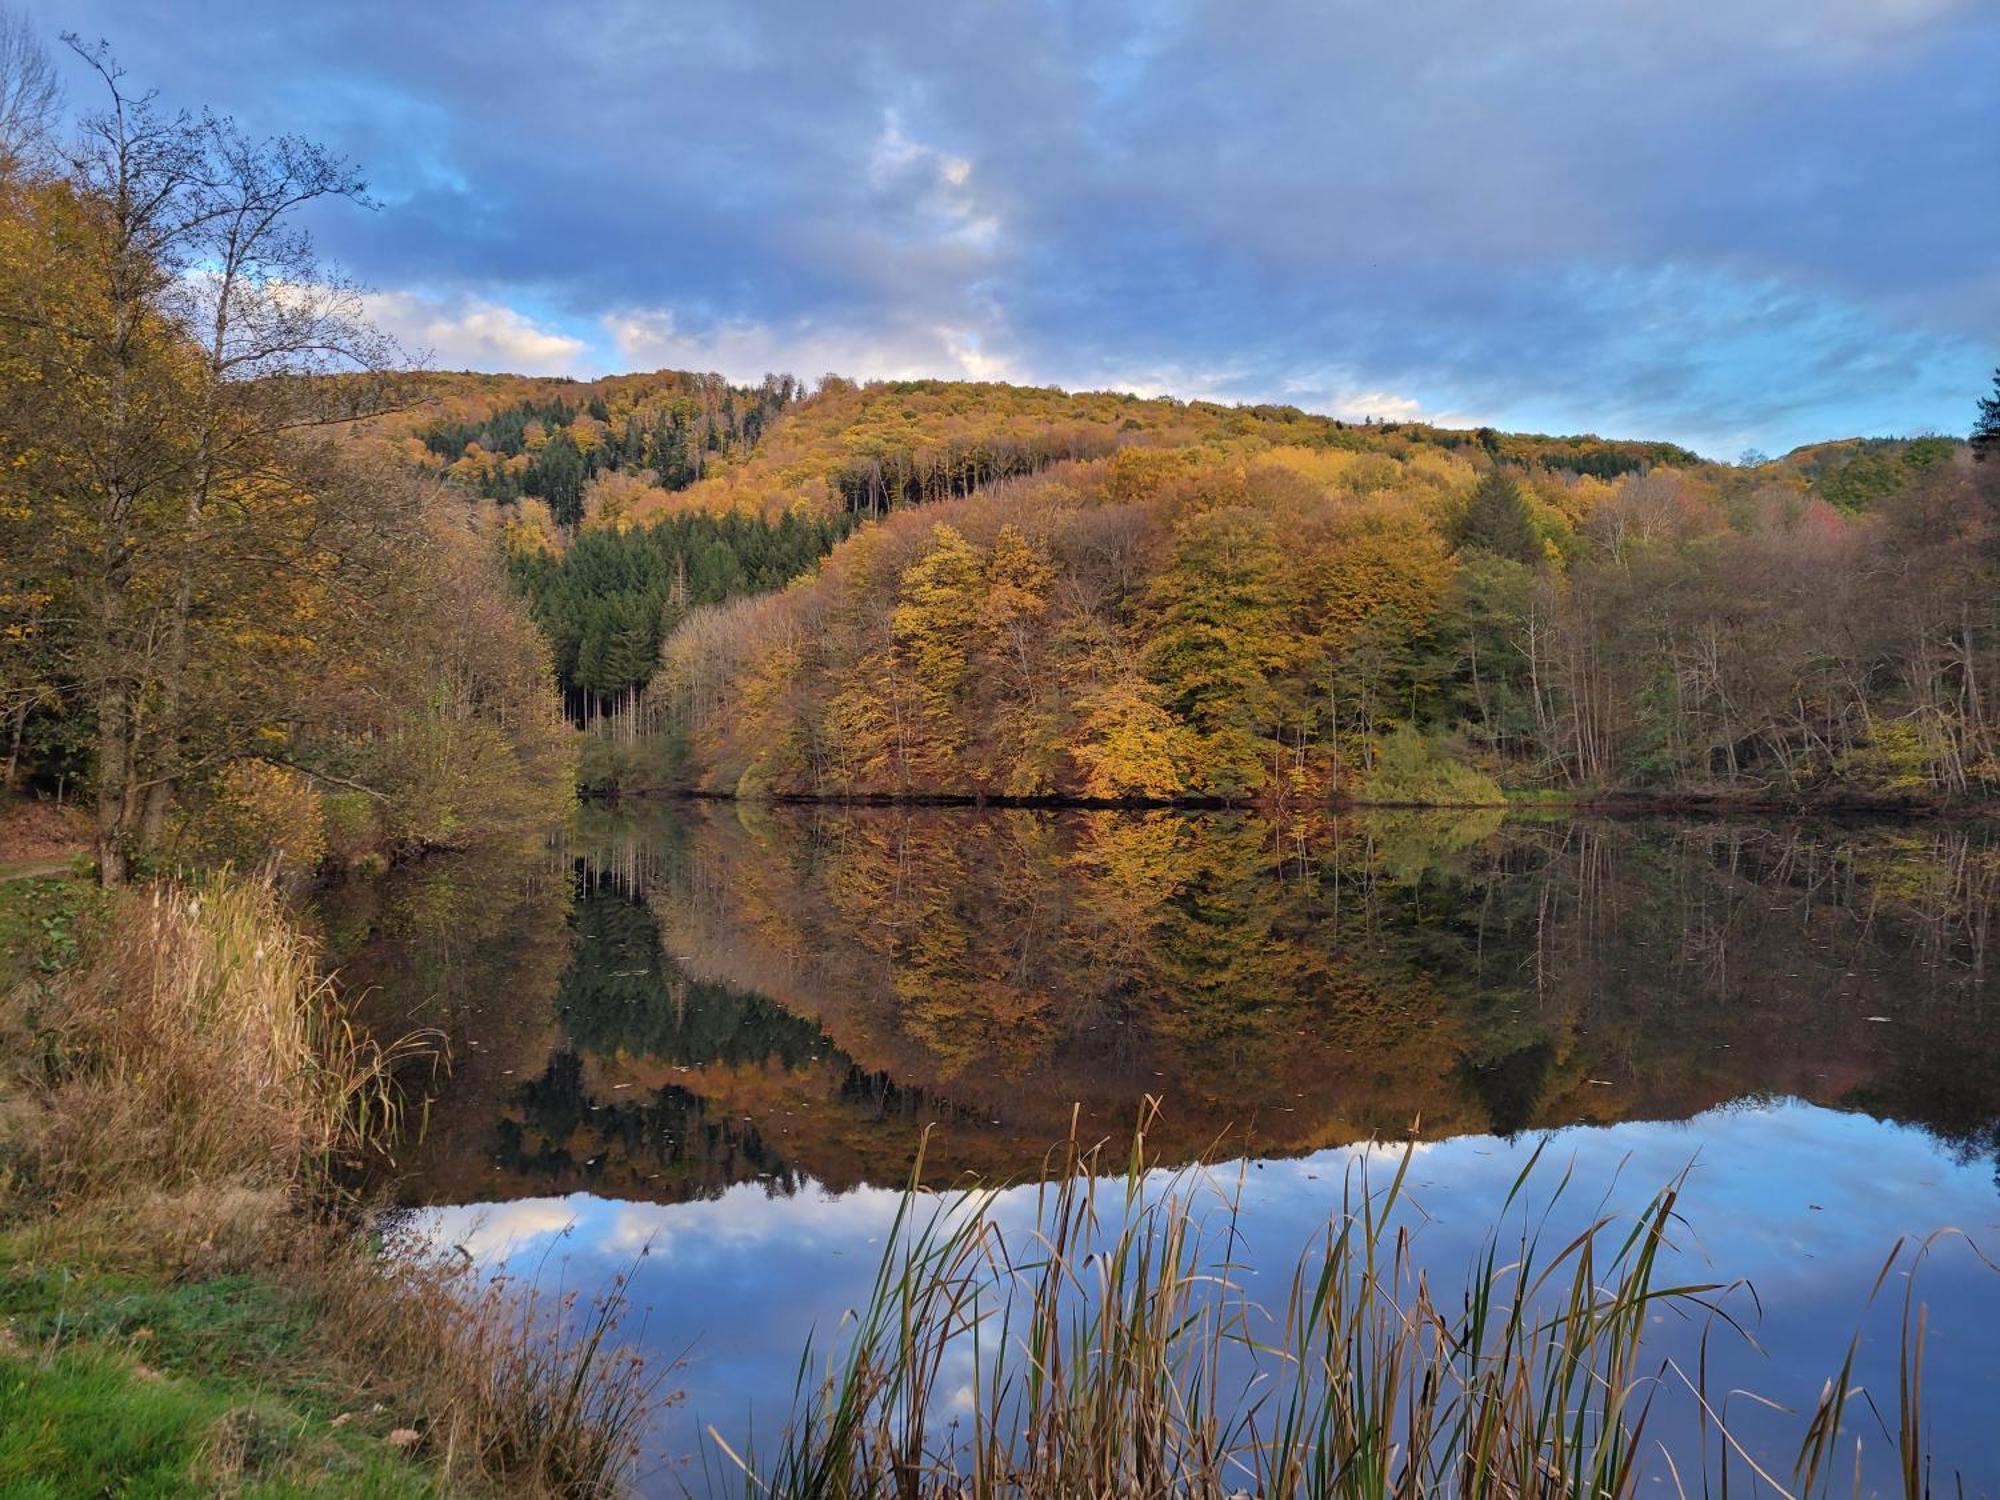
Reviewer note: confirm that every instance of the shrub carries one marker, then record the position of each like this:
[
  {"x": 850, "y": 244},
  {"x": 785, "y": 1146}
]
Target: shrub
[
  {"x": 196, "y": 1042},
  {"x": 258, "y": 816},
  {"x": 353, "y": 828},
  {"x": 1418, "y": 770}
]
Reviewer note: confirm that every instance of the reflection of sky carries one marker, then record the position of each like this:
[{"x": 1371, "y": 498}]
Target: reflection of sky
[{"x": 1803, "y": 1202}]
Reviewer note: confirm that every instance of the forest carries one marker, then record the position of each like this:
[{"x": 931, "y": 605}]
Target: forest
[
  {"x": 1022, "y": 592},
  {"x": 1379, "y": 616},
  {"x": 233, "y": 630},
  {"x": 593, "y": 450}
]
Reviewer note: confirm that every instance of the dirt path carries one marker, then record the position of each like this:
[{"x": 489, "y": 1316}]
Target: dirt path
[{"x": 28, "y": 869}]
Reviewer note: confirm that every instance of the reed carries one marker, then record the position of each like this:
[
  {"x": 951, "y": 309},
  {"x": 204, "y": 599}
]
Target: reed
[
  {"x": 197, "y": 1042},
  {"x": 1113, "y": 1350},
  {"x": 200, "y": 1095}
]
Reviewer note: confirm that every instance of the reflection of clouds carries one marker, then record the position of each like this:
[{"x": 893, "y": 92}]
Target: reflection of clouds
[
  {"x": 1803, "y": 1202},
  {"x": 497, "y": 1232}
]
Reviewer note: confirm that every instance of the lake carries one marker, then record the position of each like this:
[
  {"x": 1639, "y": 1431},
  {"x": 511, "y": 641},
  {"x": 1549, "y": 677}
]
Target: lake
[{"x": 715, "y": 1032}]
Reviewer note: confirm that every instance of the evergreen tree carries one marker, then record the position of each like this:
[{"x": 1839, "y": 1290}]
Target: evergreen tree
[
  {"x": 1986, "y": 431},
  {"x": 1496, "y": 520}
]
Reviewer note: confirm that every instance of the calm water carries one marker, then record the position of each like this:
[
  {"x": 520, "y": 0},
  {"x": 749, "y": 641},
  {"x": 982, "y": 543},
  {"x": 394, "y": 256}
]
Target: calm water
[{"x": 717, "y": 1031}]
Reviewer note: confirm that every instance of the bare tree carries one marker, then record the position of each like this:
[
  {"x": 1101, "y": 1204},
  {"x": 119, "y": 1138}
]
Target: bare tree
[{"x": 30, "y": 94}]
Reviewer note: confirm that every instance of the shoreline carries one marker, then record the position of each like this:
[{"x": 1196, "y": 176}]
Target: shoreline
[{"x": 1612, "y": 804}]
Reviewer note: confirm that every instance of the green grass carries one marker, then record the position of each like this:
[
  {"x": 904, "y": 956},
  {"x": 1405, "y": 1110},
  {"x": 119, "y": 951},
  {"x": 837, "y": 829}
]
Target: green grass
[
  {"x": 90, "y": 1421},
  {"x": 116, "y": 1381},
  {"x": 40, "y": 917},
  {"x": 112, "y": 1383}
]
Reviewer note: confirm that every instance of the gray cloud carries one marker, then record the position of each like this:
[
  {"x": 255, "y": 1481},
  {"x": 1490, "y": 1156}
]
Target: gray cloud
[{"x": 1761, "y": 222}]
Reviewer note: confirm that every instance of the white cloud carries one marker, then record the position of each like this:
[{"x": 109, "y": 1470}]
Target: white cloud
[
  {"x": 1333, "y": 393},
  {"x": 652, "y": 338},
  {"x": 474, "y": 333},
  {"x": 493, "y": 1231},
  {"x": 933, "y": 193}
]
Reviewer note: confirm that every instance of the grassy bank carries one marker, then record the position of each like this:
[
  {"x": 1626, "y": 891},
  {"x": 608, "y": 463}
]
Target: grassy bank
[{"x": 190, "y": 1301}]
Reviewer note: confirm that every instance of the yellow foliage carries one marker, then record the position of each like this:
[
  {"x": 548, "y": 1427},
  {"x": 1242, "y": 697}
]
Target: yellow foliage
[{"x": 258, "y": 814}]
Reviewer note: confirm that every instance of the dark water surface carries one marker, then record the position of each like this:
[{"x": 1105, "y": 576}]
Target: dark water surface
[{"x": 717, "y": 1031}]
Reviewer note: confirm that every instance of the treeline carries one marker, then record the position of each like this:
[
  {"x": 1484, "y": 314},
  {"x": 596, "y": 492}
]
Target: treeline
[
  {"x": 1597, "y": 457},
  {"x": 1428, "y": 626},
  {"x": 896, "y": 477},
  {"x": 607, "y": 600},
  {"x": 660, "y": 432},
  {"x": 871, "y": 449},
  {"x": 239, "y": 635},
  {"x": 1862, "y": 474}
]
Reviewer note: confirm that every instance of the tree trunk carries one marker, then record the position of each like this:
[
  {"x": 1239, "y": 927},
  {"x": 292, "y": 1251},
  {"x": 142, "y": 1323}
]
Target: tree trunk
[{"x": 114, "y": 759}]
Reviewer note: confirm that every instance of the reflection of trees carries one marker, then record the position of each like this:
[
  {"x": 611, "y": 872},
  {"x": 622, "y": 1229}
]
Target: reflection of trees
[
  {"x": 832, "y": 979},
  {"x": 622, "y": 993},
  {"x": 672, "y": 1143},
  {"x": 1491, "y": 978}
]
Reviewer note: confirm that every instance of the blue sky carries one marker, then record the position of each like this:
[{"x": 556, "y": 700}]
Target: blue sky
[{"x": 1731, "y": 223}]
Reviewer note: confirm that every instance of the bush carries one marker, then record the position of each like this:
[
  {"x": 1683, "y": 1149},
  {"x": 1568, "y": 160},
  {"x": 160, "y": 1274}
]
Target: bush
[
  {"x": 1420, "y": 770},
  {"x": 258, "y": 816},
  {"x": 353, "y": 829},
  {"x": 189, "y": 996}
]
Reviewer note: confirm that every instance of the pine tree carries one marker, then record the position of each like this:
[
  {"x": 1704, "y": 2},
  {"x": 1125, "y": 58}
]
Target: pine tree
[
  {"x": 1986, "y": 431},
  {"x": 1496, "y": 520}
]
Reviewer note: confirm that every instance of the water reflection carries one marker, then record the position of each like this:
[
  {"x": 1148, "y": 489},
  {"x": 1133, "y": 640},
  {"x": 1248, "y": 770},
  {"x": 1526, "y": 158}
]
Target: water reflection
[
  {"x": 682, "y": 998},
  {"x": 722, "y": 1029},
  {"x": 1793, "y": 1198}
]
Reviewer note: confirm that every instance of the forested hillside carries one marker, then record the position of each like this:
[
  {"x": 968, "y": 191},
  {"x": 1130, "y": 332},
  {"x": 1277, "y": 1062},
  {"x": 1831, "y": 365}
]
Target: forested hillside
[
  {"x": 631, "y": 500},
  {"x": 607, "y": 598},
  {"x": 870, "y": 449},
  {"x": 1389, "y": 615},
  {"x": 591, "y": 452},
  {"x": 1098, "y": 595}
]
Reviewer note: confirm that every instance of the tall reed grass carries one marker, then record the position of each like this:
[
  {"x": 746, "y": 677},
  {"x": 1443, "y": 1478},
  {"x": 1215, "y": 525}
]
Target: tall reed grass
[
  {"x": 198, "y": 1043},
  {"x": 200, "y": 1093},
  {"x": 1114, "y": 1350}
]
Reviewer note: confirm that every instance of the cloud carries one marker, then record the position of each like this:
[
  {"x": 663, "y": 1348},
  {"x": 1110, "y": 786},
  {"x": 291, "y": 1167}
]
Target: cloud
[
  {"x": 1452, "y": 208},
  {"x": 652, "y": 338},
  {"x": 472, "y": 333}
]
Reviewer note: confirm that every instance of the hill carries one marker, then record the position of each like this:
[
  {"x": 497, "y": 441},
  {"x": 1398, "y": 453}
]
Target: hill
[
  {"x": 630, "y": 449},
  {"x": 1003, "y": 591},
  {"x": 1400, "y": 620}
]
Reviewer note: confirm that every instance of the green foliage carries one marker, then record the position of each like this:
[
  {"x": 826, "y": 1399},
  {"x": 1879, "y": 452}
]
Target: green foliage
[
  {"x": 1865, "y": 475},
  {"x": 607, "y": 601},
  {"x": 1986, "y": 428},
  {"x": 608, "y": 765},
  {"x": 1422, "y": 770},
  {"x": 1496, "y": 520},
  {"x": 40, "y": 921},
  {"x": 353, "y": 827}
]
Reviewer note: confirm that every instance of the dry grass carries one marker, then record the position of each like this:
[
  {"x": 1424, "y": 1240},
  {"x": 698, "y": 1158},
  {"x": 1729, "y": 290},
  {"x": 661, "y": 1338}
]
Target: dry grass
[
  {"x": 1116, "y": 1352},
  {"x": 197, "y": 1092},
  {"x": 197, "y": 1043},
  {"x": 533, "y": 1390}
]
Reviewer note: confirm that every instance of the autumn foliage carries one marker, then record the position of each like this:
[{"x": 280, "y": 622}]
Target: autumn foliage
[{"x": 1261, "y": 623}]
